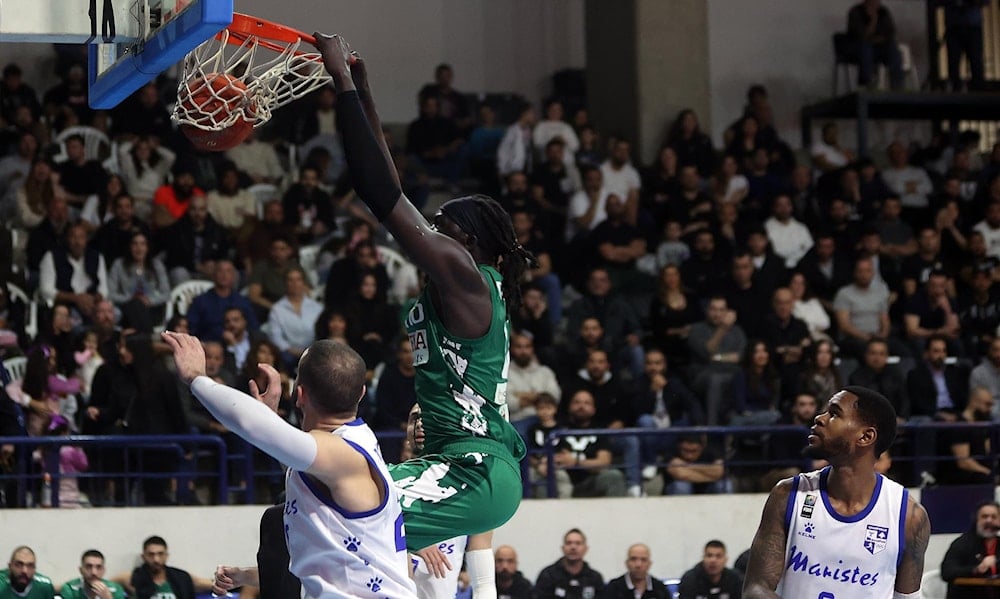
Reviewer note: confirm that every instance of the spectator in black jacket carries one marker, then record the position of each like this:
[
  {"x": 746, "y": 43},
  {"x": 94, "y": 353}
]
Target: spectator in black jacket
[
  {"x": 511, "y": 584},
  {"x": 154, "y": 578},
  {"x": 974, "y": 554},
  {"x": 877, "y": 374},
  {"x": 711, "y": 578},
  {"x": 114, "y": 238},
  {"x": 570, "y": 577},
  {"x": 637, "y": 583},
  {"x": 928, "y": 397},
  {"x": 661, "y": 401},
  {"x": 825, "y": 269},
  {"x": 193, "y": 244}
]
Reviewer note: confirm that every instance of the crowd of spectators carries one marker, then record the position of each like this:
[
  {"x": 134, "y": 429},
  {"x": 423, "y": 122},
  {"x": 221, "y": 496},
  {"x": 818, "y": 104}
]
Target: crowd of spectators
[{"x": 722, "y": 284}]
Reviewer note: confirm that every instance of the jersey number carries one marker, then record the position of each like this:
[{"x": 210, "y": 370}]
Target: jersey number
[{"x": 400, "y": 535}]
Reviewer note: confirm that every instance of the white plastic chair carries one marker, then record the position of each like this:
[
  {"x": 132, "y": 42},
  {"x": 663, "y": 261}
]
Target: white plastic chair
[
  {"x": 15, "y": 367},
  {"x": 15, "y": 293},
  {"x": 182, "y": 295},
  {"x": 263, "y": 193},
  {"x": 307, "y": 260},
  {"x": 402, "y": 274},
  {"x": 96, "y": 145}
]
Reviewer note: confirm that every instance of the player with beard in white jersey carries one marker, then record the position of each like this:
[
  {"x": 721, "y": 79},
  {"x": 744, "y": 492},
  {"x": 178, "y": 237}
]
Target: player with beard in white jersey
[{"x": 843, "y": 532}]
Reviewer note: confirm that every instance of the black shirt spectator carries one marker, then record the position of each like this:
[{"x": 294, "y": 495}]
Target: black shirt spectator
[
  {"x": 969, "y": 446},
  {"x": 878, "y": 375},
  {"x": 114, "y": 237},
  {"x": 14, "y": 93},
  {"x": 979, "y": 312},
  {"x": 711, "y": 577},
  {"x": 142, "y": 114},
  {"x": 50, "y": 234},
  {"x": 431, "y": 137},
  {"x": 618, "y": 243},
  {"x": 692, "y": 146},
  {"x": 570, "y": 577},
  {"x": 345, "y": 275},
  {"x": 308, "y": 207},
  {"x": 194, "y": 242},
  {"x": 452, "y": 104},
  {"x": 969, "y": 554},
  {"x": 704, "y": 272},
  {"x": 744, "y": 296},
  {"x": 824, "y": 268}
]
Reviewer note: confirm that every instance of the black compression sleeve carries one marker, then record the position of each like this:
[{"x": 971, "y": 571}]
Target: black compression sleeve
[{"x": 370, "y": 174}]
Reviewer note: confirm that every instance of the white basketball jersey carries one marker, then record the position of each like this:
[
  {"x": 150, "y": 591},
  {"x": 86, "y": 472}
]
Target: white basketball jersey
[
  {"x": 337, "y": 553},
  {"x": 830, "y": 556}
]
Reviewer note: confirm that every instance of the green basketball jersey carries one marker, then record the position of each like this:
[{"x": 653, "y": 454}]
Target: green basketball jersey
[
  {"x": 461, "y": 383},
  {"x": 41, "y": 587},
  {"x": 74, "y": 589}
]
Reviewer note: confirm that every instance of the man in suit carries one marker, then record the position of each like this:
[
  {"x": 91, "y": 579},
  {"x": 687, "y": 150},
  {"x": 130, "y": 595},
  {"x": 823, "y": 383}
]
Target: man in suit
[{"x": 937, "y": 390}]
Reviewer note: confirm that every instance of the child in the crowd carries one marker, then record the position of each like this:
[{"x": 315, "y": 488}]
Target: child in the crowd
[
  {"x": 72, "y": 460},
  {"x": 545, "y": 409},
  {"x": 672, "y": 250},
  {"x": 89, "y": 360}
]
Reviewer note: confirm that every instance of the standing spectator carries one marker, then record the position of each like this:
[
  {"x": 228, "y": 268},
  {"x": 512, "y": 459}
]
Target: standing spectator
[
  {"x": 511, "y": 584},
  {"x": 515, "y": 153},
  {"x": 76, "y": 275},
  {"x": 873, "y": 39},
  {"x": 987, "y": 375},
  {"x": 171, "y": 202},
  {"x": 692, "y": 146},
  {"x": 154, "y": 577},
  {"x": 526, "y": 380},
  {"x": 970, "y": 447},
  {"x": 672, "y": 311},
  {"x": 711, "y": 578},
  {"x": 621, "y": 178},
  {"x": 973, "y": 554},
  {"x": 877, "y": 374},
  {"x": 205, "y": 315},
  {"x": 292, "y": 320},
  {"x": 963, "y": 34},
  {"x": 144, "y": 167},
  {"x": 194, "y": 244},
  {"x": 91, "y": 584},
  {"x": 695, "y": 469},
  {"x": 910, "y": 183},
  {"x": 716, "y": 345},
  {"x": 20, "y": 579},
  {"x": 588, "y": 458},
  {"x": 861, "y": 309},
  {"x": 570, "y": 577},
  {"x": 636, "y": 583},
  {"x": 937, "y": 390},
  {"x": 790, "y": 239}
]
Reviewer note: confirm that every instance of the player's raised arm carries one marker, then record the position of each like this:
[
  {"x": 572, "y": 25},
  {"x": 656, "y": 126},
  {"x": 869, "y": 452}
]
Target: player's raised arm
[
  {"x": 767, "y": 553},
  {"x": 917, "y": 534},
  {"x": 376, "y": 182}
]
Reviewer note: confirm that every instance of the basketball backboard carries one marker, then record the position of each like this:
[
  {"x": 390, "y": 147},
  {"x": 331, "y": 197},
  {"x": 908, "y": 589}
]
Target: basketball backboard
[{"x": 131, "y": 41}]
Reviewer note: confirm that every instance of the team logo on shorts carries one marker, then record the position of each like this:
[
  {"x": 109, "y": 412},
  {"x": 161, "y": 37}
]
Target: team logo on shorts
[{"x": 876, "y": 538}]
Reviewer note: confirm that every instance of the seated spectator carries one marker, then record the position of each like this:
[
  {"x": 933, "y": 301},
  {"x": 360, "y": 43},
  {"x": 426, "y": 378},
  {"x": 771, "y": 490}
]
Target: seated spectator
[
  {"x": 267, "y": 278},
  {"x": 171, "y": 202},
  {"x": 509, "y": 580},
  {"x": 50, "y": 233},
  {"x": 91, "y": 582},
  {"x": 396, "y": 394},
  {"x": 769, "y": 270},
  {"x": 542, "y": 248},
  {"x": 452, "y": 103},
  {"x": 824, "y": 269},
  {"x": 711, "y": 578},
  {"x": 756, "y": 388},
  {"x": 20, "y": 579},
  {"x": 716, "y": 346},
  {"x": 554, "y": 126},
  {"x": 620, "y": 322},
  {"x": 636, "y": 582},
  {"x": 292, "y": 321},
  {"x": 346, "y": 274},
  {"x": 537, "y": 442},
  {"x": 787, "y": 336},
  {"x": 987, "y": 374},
  {"x": 970, "y": 447},
  {"x": 205, "y": 315},
  {"x": 896, "y": 234},
  {"x": 827, "y": 154},
  {"x": 619, "y": 245},
  {"x": 937, "y": 390},
  {"x": 138, "y": 286},
  {"x": 821, "y": 376},
  {"x": 877, "y": 374},
  {"x": 660, "y": 184},
  {"x": 484, "y": 141},
  {"x": 238, "y": 339},
  {"x": 527, "y": 379},
  {"x": 533, "y": 317},
  {"x": 748, "y": 299},
  {"x": 862, "y": 310},
  {"x": 257, "y": 161},
  {"x": 693, "y": 147},
  {"x": 588, "y": 458},
  {"x": 660, "y": 402},
  {"x": 515, "y": 153},
  {"x": 517, "y": 194},
  {"x": 672, "y": 249},
  {"x": 308, "y": 207},
  {"x": 989, "y": 227},
  {"x": 154, "y": 574},
  {"x": 79, "y": 176},
  {"x": 790, "y": 239},
  {"x": 100, "y": 208},
  {"x": 672, "y": 311},
  {"x": 930, "y": 312},
  {"x": 114, "y": 238},
  {"x": 570, "y": 577},
  {"x": 704, "y": 272},
  {"x": 911, "y": 184},
  {"x": 973, "y": 554},
  {"x": 621, "y": 179},
  {"x": 375, "y": 322},
  {"x": 436, "y": 140},
  {"x": 694, "y": 208},
  {"x": 979, "y": 312},
  {"x": 142, "y": 114},
  {"x": 916, "y": 268},
  {"x": 587, "y": 206},
  {"x": 76, "y": 275},
  {"x": 560, "y": 180},
  {"x": 694, "y": 469},
  {"x": 231, "y": 207},
  {"x": 784, "y": 448},
  {"x": 872, "y": 33},
  {"x": 193, "y": 244},
  {"x": 14, "y": 170},
  {"x": 145, "y": 165},
  {"x": 15, "y": 93},
  {"x": 255, "y": 245}
]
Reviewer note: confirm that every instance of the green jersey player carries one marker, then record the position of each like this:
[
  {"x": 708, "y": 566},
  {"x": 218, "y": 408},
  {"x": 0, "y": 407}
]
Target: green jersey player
[
  {"x": 92, "y": 584},
  {"x": 468, "y": 480},
  {"x": 21, "y": 581}
]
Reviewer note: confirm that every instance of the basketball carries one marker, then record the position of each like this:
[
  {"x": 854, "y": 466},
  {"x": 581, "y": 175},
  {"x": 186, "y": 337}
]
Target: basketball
[{"x": 209, "y": 100}]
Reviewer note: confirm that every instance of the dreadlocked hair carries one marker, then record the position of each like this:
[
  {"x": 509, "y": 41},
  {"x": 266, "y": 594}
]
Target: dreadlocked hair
[{"x": 495, "y": 236}]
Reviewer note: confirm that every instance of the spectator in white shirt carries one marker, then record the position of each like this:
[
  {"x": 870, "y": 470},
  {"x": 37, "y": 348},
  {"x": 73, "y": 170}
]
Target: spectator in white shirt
[
  {"x": 553, "y": 126},
  {"x": 514, "y": 154},
  {"x": 621, "y": 178},
  {"x": 257, "y": 160},
  {"x": 144, "y": 168},
  {"x": 827, "y": 153},
  {"x": 292, "y": 322},
  {"x": 910, "y": 183},
  {"x": 989, "y": 228},
  {"x": 789, "y": 238},
  {"x": 587, "y": 206}
]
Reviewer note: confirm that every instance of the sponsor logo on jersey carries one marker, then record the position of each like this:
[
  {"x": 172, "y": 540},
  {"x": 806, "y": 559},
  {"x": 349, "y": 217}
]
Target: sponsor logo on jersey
[
  {"x": 800, "y": 563},
  {"x": 807, "y": 530},
  {"x": 418, "y": 341},
  {"x": 876, "y": 538}
]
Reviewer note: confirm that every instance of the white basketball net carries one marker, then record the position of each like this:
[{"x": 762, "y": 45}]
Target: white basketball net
[{"x": 274, "y": 73}]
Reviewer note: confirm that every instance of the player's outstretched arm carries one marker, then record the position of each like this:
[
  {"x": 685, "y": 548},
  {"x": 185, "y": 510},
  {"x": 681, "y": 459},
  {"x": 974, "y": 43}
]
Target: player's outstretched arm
[
  {"x": 917, "y": 534},
  {"x": 376, "y": 182},
  {"x": 767, "y": 553}
]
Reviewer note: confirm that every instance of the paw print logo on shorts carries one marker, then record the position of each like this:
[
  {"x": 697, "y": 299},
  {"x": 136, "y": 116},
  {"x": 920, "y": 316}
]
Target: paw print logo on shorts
[
  {"x": 809, "y": 527},
  {"x": 352, "y": 543},
  {"x": 375, "y": 584}
]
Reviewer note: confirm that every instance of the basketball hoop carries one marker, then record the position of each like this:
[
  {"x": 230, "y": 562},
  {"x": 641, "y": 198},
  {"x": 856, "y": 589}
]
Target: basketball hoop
[{"x": 240, "y": 76}]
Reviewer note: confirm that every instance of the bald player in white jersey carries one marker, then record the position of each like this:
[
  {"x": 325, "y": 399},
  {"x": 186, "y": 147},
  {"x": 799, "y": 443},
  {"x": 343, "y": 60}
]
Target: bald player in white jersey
[
  {"x": 343, "y": 521},
  {"x": 844, "y": 532}
]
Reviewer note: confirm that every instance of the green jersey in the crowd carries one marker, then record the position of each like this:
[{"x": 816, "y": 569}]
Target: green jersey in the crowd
[
  {"x": 74, "y": 589},
  {"x": 461, "y": 383},
  {"x": 40, "y": 588},
  {"x": 164, "y": 591}
]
